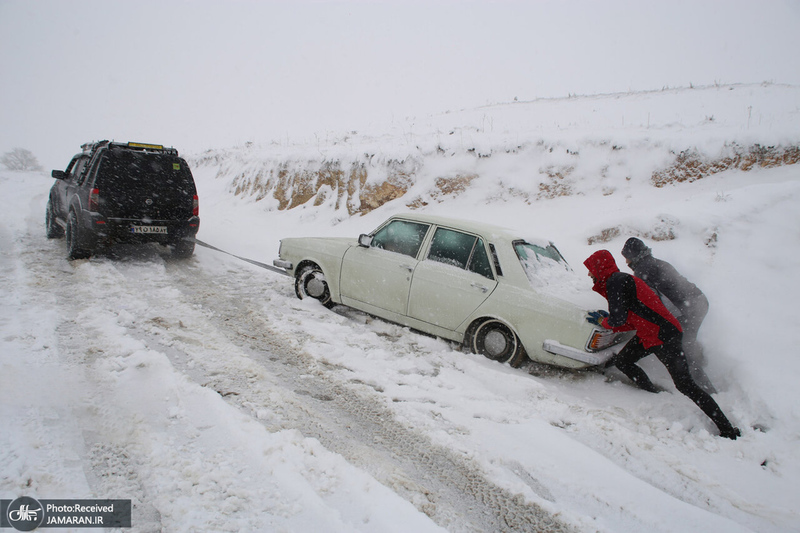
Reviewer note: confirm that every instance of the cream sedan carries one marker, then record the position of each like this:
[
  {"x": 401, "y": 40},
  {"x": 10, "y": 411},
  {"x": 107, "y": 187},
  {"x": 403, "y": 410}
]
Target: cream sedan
[{"x": 503, "y": 296}]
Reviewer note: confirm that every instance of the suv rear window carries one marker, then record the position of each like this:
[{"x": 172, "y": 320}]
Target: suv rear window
[{"x": 131, "y": 170}]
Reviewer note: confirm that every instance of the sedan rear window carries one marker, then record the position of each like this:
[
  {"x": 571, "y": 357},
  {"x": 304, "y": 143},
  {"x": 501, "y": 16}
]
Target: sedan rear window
[{"x": 460, "y": 250}]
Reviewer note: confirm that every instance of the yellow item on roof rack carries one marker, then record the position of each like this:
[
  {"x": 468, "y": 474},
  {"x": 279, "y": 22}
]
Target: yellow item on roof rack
[{"x": 146, "y": 146}]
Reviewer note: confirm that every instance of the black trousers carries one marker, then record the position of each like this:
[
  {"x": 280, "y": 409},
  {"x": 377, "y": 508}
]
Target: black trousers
[
  {"x": 672, "y": 357},
  {"x": 692, "y": 314}
]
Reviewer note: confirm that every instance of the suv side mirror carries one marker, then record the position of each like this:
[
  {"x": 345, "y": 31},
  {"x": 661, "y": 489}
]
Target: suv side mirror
[
  {"x": 59, "y": 174},
  {"x": 365, "y": 240}
]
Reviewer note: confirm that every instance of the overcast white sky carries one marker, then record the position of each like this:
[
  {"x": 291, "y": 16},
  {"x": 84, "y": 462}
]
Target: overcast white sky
[{"x": 214, "y": 73}]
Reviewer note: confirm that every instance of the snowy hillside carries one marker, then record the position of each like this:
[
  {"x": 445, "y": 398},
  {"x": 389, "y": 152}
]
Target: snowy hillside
[
  {"x": 524, "y": 150},
  {"x": 211, "y": 396}
]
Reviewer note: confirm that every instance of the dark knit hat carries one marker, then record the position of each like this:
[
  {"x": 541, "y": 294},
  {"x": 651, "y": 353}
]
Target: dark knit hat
[{"x": 634, "y": 249}]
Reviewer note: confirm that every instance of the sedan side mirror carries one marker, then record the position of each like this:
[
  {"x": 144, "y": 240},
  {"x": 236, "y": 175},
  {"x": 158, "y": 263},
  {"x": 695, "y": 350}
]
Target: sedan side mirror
[
  {"x": 59, "y": 174},
  {"x": 365, "y": 240}
]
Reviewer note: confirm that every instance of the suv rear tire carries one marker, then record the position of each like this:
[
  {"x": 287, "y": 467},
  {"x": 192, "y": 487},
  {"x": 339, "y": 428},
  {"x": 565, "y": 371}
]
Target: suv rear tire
[
  {"x": 75, "y": 248},
  {"x": 182, "y": 249}
]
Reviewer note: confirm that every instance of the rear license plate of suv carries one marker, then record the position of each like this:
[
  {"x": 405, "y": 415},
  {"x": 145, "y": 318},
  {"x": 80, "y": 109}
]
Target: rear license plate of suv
[{"x": 149, "y": 229}]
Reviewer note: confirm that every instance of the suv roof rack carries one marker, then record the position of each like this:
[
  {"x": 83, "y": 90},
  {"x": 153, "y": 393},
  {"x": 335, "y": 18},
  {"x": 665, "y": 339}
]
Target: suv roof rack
[{"x": 90, "y": 147}]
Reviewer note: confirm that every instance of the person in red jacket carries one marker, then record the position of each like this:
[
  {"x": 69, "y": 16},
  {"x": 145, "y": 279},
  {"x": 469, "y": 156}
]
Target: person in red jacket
[{"x": 632, "y": 305}]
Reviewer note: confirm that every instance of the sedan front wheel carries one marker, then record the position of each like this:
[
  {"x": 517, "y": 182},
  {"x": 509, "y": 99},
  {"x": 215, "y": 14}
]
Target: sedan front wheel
[
  {"x": 310, "y": 283},
  {"x": 495, "y": 340}
]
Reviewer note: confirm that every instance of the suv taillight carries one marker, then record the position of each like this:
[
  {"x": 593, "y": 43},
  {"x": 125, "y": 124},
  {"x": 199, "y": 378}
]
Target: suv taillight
[
  {"x": 195, "y": 206},
  {"x": 94, "y": 199}
]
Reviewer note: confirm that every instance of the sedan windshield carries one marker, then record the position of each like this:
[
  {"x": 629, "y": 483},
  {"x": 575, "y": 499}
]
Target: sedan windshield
[
  {"x": 539, "y": 252},
  {"x": 543, "y": 263},
  {"x": 549, "y": 274}
]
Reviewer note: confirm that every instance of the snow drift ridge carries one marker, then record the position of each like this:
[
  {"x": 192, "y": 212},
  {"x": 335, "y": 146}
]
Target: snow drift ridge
[{"x": 532, "y": 150}]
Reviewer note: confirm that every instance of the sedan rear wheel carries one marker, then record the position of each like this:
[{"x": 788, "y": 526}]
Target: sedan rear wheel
[
  {"x": 495, "y": 340},
  {"x": 310, "y": 283}
]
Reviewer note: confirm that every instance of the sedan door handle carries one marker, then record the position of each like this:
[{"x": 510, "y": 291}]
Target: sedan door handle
[
  {"x": 480, "y": 287},
  {"x": 410, "y": 268}
]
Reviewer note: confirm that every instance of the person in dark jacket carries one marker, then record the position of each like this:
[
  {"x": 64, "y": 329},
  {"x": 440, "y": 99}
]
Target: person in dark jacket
[
  {"x": 632, "y": 305},
  {"x": 689, "y": 304}
]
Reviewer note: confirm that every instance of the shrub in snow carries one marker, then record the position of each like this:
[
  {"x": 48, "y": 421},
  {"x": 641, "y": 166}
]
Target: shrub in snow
[{"x": 20, "y": 159}]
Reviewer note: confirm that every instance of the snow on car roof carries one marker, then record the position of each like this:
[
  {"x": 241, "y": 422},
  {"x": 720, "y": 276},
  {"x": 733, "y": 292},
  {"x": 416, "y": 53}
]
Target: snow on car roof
[{"x": 474, "y": 226}]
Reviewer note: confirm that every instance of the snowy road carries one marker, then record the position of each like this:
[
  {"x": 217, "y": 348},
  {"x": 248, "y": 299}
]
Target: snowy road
[
  {"x": 207, "y": 393},
  {"x": 121, "y": 312}
]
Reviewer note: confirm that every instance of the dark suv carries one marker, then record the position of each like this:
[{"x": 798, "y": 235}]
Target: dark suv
[{"x": 124, "y": 193}]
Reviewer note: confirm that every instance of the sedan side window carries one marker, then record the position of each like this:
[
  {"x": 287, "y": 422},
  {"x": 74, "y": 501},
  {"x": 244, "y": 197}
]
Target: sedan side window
[
  {"x": 480, "y": 261},
  {"x": 460, "y": 250},
  {"x": 400, "y": 236}
]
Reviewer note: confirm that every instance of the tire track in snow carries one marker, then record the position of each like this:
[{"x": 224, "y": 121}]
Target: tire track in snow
[
  {"x": 351, "y": 419},
  {"x": 112, "y": 467}
]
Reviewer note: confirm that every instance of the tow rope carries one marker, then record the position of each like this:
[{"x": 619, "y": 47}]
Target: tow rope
[{"x": 256, "y": 263}]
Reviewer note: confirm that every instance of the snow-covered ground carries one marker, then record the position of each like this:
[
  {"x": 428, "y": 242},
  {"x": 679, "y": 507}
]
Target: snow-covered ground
[{"x": 214, "y": 399}]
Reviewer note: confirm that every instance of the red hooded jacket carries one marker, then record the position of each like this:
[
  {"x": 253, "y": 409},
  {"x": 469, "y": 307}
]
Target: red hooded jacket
[{"x": 631, "y": 303}]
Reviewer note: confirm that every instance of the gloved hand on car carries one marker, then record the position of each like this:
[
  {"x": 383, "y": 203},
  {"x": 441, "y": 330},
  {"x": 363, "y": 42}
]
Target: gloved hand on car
[{"x": 596, "y": 317}]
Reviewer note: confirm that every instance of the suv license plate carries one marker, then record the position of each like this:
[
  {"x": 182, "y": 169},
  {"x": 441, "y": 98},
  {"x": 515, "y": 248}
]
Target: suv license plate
[{"x": 149, "y": 229}]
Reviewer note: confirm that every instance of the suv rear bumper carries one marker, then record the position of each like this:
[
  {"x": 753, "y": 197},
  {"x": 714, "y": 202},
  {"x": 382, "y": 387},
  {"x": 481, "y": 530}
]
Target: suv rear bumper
[{"x": 112, "y": 230}]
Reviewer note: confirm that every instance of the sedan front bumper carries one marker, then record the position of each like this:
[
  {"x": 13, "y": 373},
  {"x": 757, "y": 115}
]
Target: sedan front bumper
[{"x": 590, "y": 358}]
